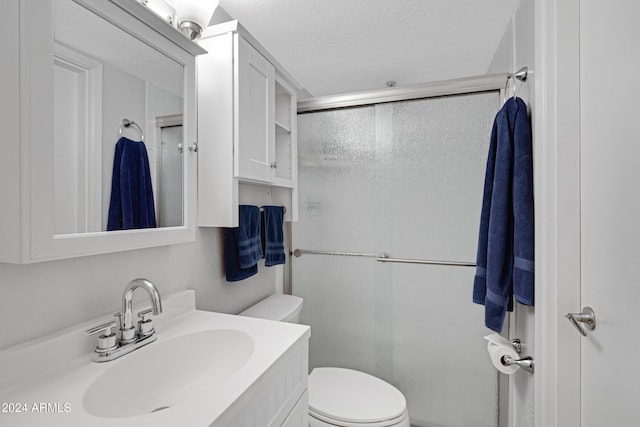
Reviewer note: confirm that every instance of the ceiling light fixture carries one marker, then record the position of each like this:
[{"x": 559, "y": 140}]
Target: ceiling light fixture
[{"x": 193, "y": 16}]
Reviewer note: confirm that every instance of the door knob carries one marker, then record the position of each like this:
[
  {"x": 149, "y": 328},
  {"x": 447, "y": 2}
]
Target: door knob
[{"x": 586, "y": 317}]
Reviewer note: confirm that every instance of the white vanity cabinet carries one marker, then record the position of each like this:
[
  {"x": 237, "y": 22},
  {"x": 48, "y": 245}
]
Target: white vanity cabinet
[
  {"x": 72, "y": 70},
  {"x": 246, "y": 127}
]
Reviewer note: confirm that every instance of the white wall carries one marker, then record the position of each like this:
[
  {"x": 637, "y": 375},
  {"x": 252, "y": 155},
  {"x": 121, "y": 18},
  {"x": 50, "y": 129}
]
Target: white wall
[
  {"x": 38, "y": 299},
  {"x": 515, "y": 51}
]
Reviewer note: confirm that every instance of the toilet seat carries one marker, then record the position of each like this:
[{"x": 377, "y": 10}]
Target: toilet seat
[
  {"x": 348, "y": 398},
  {"x": 339, "y": 423}
]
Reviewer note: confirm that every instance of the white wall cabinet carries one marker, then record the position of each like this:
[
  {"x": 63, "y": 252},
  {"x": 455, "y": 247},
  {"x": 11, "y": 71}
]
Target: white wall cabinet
[
  {"x": 254, "y": 145},
  {"x": 61, "y": 117},
  {"x": 246, "y": 127}
]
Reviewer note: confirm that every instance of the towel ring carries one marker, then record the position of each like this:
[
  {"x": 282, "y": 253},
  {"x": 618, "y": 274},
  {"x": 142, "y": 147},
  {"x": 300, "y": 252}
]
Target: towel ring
[
  {"x": 521, "y": 75},
  {"x": 126, "y": 123}
]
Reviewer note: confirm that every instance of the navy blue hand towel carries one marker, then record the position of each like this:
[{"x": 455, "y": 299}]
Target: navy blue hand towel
[
  {"x": 131, "y": 205},
  {"x": 505, "y": 260},
  {"x": 273, "y": 235},
  {"x": 232, "y": 269},
  {"x": 243, "y": 245},
  {"x": 248, "y": 236}
]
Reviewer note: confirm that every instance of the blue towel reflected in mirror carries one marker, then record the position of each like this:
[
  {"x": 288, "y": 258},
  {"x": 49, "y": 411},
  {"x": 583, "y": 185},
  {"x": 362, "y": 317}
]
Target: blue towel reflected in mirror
[{"x": 131, "y": 205}]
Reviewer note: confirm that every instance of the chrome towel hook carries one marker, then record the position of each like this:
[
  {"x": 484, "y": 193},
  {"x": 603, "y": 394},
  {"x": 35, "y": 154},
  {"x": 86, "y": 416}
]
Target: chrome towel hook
[{"x": 521, "y": 75}]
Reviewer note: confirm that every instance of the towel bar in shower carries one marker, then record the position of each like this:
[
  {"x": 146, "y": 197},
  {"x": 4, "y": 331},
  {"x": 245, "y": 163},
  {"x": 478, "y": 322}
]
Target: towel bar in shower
[
  {"x": 385, "y": 258},
  {"x": 300, "y": 252}
]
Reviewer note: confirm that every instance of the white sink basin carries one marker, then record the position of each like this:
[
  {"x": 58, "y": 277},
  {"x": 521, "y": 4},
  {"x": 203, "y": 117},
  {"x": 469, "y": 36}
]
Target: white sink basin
[
  {"x": 204, "y": 370},
  {"x": 167, "y": 373}
]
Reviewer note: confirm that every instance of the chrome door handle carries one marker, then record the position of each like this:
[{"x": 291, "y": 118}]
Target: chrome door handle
[{"x": 587, "y": 317}]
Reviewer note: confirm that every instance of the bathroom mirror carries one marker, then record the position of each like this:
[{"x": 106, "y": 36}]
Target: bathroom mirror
[
  {"x": 110, "y": 85},
  {"x": 95, "y": 71}
]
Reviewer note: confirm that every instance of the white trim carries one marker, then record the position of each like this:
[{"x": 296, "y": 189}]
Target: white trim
[
  {"x": 141, "y": 13},
  {"x": 90, "y": 127},
  {"x": 12, "y": 219},
  {"x": 235, "y": 28},
  {"x": 167, "y": 121},
  {"x": 557, "y": 195}
]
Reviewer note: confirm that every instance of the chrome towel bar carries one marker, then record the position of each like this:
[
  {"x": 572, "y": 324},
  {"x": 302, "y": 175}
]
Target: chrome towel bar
[
  {"x": 300, "y": 252},
  {"x": 385, "y": 258}
]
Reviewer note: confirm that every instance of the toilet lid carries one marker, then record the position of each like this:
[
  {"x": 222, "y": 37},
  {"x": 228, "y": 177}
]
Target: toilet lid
[{"x": 351, "y": 396}]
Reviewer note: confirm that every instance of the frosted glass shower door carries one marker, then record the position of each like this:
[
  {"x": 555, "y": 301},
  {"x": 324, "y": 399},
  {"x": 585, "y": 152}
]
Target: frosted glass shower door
[
  {"x": 336, "y": 178},
  {"x": 404, "y": 179}
]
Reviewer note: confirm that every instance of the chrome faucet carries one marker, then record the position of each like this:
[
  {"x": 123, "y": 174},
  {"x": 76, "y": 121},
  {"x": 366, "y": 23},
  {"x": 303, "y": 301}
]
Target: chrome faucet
[
  {"x": 127, "y": 330},
  {"x": 111, "y": 347}
]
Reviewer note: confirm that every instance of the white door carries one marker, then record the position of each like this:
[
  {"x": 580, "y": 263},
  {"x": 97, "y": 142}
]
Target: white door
[{"x": 610, "y": 210}]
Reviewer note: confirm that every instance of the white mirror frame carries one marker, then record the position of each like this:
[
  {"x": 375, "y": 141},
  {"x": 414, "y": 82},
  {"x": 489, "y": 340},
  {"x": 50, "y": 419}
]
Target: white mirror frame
[{"x": 38, "y": 241}]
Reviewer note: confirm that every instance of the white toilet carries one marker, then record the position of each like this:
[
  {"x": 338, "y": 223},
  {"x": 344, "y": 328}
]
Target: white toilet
[{"x": 338, "y": 396}]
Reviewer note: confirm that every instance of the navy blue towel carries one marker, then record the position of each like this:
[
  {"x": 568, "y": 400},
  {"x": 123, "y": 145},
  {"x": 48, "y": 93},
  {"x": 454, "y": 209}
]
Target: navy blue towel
[
  {"x": 248, "y": 236},
  {"x": 273, "y": 240},
  {"x": 505, "y": 260},
  {"x": 232, "y": 269},
  {"x": 131, "y": 204},
  {"x": 243, "y": 245}
]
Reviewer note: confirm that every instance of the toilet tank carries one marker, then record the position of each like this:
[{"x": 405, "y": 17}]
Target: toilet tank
[{"x": 284, "y": 308}]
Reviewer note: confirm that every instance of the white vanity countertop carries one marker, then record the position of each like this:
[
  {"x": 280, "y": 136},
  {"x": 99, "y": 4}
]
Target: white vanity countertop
[{"x": 43, "y": 383}]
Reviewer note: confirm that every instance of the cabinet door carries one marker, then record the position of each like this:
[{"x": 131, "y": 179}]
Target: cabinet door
[
  {"x": 254, "y": 134},
  {"x": 299, "y": 415}
]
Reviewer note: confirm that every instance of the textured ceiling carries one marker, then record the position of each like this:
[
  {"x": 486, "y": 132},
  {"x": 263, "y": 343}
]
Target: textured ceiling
[{"x": 341, "y": 46}]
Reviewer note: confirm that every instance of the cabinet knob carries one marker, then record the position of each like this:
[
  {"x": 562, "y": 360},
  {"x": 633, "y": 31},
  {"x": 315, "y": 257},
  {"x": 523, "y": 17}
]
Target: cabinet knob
[
  {"x": 193, "y": 147},
  {"x": 274, "y": 165}
]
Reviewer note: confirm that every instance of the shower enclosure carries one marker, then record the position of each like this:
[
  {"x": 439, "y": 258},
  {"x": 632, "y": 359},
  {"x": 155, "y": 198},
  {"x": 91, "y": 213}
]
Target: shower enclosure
[{"x": 401, "y": 179}]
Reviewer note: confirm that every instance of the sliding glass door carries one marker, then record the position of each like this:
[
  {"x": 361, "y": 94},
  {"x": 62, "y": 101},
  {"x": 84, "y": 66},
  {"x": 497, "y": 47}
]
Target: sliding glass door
[{"x": 403, "y": 179}]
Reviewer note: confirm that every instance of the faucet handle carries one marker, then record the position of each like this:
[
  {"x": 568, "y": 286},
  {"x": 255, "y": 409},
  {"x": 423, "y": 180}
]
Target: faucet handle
[
  {"x": 107, "y": 340},
  {"x": 106, "y": 327},
  {"x": 145, "y": 324},
  {"x": 145, "y": 315},
  {"x": 119, "y": 316}
]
